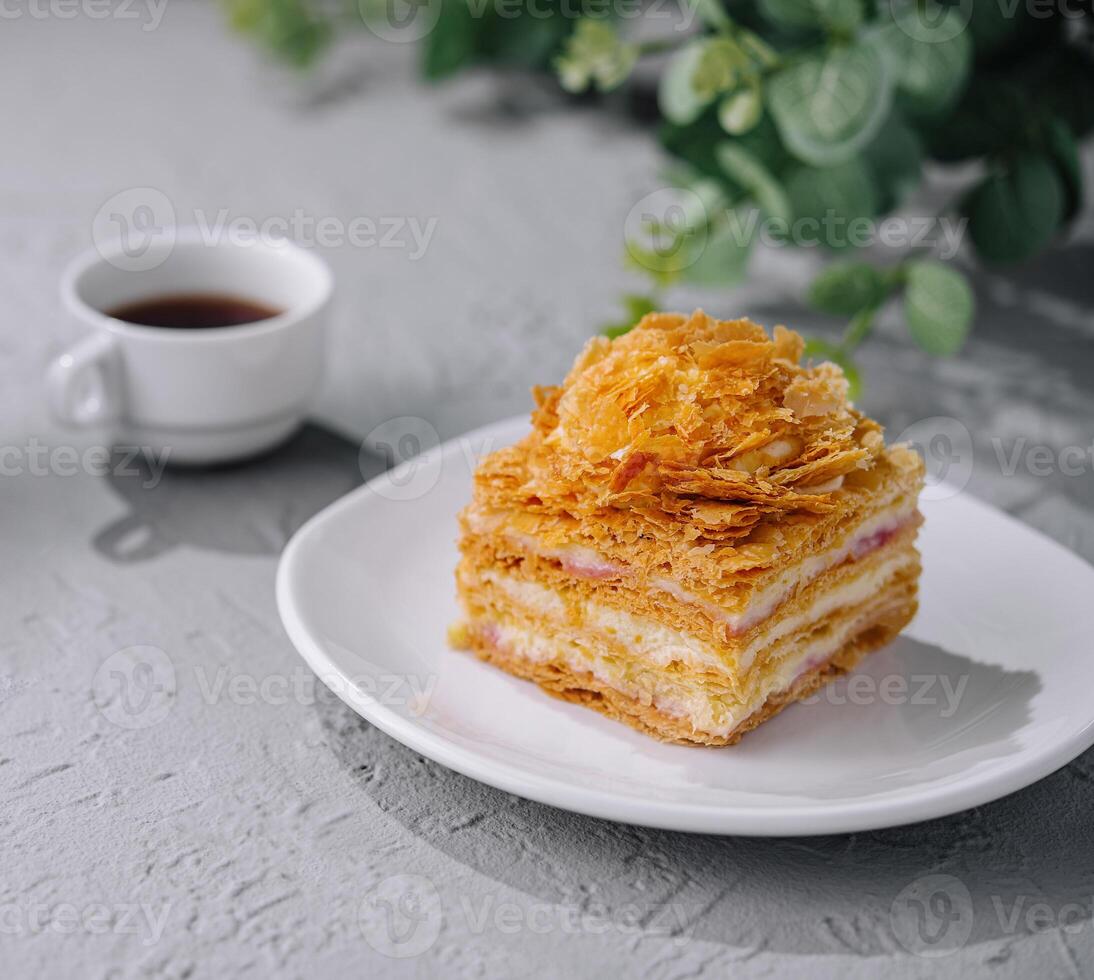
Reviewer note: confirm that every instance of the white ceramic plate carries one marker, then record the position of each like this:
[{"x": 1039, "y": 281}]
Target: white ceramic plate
[{"x": 988, "y": 691}]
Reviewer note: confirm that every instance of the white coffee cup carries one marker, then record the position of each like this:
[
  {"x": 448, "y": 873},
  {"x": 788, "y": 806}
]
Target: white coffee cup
[{"x": 204, "y": 395}]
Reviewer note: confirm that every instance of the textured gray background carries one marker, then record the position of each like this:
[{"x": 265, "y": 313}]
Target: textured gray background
[{"x": 236, "y": 838}]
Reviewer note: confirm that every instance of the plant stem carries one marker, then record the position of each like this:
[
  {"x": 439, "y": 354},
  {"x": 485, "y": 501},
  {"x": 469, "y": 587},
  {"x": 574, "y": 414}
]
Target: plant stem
[
  {"x": 858, "y": 329},
  {"x": 661, "y": 45}
]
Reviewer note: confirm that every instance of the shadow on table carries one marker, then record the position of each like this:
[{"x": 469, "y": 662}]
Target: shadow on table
[
  {"x": 249, "y": 508},
  {"x": 975, "y": 877}
]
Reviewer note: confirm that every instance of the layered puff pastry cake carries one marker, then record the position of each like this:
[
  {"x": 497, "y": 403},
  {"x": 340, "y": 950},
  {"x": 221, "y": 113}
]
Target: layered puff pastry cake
[{"x": 698, "y": 531}]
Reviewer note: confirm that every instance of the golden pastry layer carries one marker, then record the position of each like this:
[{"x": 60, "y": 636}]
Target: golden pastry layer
[
  {"x": 696, "y": 527},
  {"x": 679, "y": 674},
  {"x": 561, "y": 680}
]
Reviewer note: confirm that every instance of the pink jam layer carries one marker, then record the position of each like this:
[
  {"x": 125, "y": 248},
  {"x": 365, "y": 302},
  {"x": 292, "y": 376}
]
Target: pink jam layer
[
  {"x": 597, "y": 570},
  {"x": 585, "y": 564},
  {"x": 878, "y": 539},
  {"x": 491, "y": 635},
  {"x": 811, "y": 664}
]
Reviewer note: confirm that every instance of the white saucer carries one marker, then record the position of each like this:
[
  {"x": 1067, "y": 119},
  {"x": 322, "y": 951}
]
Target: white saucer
[{"x": 988, "y": 691}]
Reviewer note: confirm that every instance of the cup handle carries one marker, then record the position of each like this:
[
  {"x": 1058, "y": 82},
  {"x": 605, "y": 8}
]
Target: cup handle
[{"x": 83, "y": 385}]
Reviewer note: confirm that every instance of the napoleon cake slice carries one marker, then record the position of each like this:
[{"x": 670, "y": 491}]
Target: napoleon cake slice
[{"x": 698, "y": 531}]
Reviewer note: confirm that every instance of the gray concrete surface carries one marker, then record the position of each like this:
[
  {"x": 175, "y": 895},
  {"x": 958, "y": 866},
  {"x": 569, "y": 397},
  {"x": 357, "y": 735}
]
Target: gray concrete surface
[{"x": 249, "y": 824}]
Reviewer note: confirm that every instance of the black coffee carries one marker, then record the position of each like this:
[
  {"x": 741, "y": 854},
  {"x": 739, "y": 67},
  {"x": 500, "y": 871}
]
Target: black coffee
[{"x": 193, "y": 311}]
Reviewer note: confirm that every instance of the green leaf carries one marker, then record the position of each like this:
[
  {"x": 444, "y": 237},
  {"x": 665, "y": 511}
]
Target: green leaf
[
  {"x": 759, "y": 52},
  {"x": 993, "y": 25},
  {"x": 1065, "y": 154},
  {"x": 453, "y": 42},
  {"x": 829, "y": 105},
  {"x": 694, "y": 143},
  {"x": 844, "y": 288},
  {"x": 676, "y": 95},
  {"x": 636, "y": 307},
  {"x": 747, "y": 171},
  {"x": 595, "y": 54},
  {"x": 291, "y": 29},
  {"x": 740, "y": 111},
  {"x": 1056, "y": 81},
  {"x": 664, "y": 245},
  {"x": 663, "y": 267},
  {"x": 697, "y": 142},
  {"x": 709, "y": 199},
  {"x": 1014, "y": 212},
  {"x": 895, "y": 158},
  {"x": 723, "y": 259},
  {"x": 789, "y": 13},
  {"x": 713, "y": 13},
  {"x": 525, "y": 41},
  {"x": 938, "y": 307},
  {"x": 987, "y": 119},
  {"x": 931, "y": 53},
  {"x": 719, "y": 68},
  {"x": 838, "y": 16},
  {"x": 832, "y": 205},
  {"x": 825, "y": 350},
  {"x": 763, "y": 142}
]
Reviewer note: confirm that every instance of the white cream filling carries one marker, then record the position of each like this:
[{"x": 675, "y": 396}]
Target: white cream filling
[
  {"x": 850, "y": 593},
  {"x": 659, "y": 645},
  {"x": 705, "y": 713},
  {"x": 654, "y": 647},
  {"x": 762, "y": 604}
]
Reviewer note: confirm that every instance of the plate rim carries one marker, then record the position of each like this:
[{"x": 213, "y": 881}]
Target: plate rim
[{"x": 908, "y": 806}]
